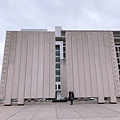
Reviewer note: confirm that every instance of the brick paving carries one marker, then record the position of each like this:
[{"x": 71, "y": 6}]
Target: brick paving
[{"x": 81, "y": 110}]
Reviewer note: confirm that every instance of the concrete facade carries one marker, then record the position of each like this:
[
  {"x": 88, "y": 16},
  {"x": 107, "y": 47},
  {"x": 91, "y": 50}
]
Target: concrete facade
[
  {"x": 88, "y": 65},
  {"x": 63, "y": 78},
  {"x": 28, "y": 65},
  {"x": 92, "y": 69}
]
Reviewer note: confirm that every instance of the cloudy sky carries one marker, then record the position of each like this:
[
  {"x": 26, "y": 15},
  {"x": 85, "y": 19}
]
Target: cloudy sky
[{"x": 70, "y": 14}]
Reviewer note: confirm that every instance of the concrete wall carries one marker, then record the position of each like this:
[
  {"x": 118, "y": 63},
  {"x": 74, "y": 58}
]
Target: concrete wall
[
  {"x": 28, "y": 66},
  {"x": 91, "y": 65},
  {"x": 63, "y": 77}
]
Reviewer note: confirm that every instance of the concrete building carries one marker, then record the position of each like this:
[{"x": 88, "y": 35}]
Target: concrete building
[{"x": 41, "y": 64}]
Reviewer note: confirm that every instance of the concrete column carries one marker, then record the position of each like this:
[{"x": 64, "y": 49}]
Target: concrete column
[
  {"x": 4, "y": 71},
  {"x": 86, "y": 64},
  {"x": 21, "y": 88},
  {"x": 35, "y": 66},
  {"x": 75, "y": 64},
  {"x": 46, "y": 66},
  {"x": 17, "y": 65},
  {"x": 41, "y": 54},
  {"x": 92, "y": 64},
  {"x": 29, "y": 62},
  {"x": 109, "y": 67},
  {"x": 82, "y": 84},
  {"x": 8, "y": 94},
  {"x": 114, "y": 65},
  {"x": 69, "y": 62},
  {"x": 98, "y": 68},
  {"x": 52, "y": 65},
  {"x": 103, "y": 65}
]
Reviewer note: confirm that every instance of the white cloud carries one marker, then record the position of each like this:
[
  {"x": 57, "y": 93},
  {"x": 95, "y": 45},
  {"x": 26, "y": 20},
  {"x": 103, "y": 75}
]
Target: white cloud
[
  {"x": 57, "y": 2},
  {"x": 71, "y": 14}
]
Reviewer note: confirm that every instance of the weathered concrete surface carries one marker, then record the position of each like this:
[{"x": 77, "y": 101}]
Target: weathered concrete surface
[{"x": 61, "y": 111}]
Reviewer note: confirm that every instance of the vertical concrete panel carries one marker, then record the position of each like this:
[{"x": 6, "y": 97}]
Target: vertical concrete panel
[
  {"x": 92, "y": 65},
  {"x": 69, "y": 61},
  {"x": 21, "y": 89},
  {"x": 17, "y": 65},
  {"x": 86, "y": 64},
  {"x": 98, "y": 69},
  {"x": 114, "y": 64},
  {"x": 82, "y": 88},
  {"x": 40, "y": 65},
  {"x": 109, "y": 66},
  {"x": 8, "y": 94},
  {"x": 75, "y": 64},
  {"x": 46, "y": 67},
  {"x": 52, "y": 65},
  {"x": 35, "y": 67},
  {"x": 5, "y": 64},
  {"x": 114, "y": 83},
  {"x": 103, "y": 65},
  {"x": 29, "y": 66},
  {"x": 63, "y": 77}
]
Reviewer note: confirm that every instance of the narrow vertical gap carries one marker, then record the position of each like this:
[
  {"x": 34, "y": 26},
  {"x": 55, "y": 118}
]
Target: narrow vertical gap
[
  {"x": 72, "y": 60},
  {"x": 77, "y": 42},
  {"x": 20, "y": 66},
  {"x": 94, "y": 39},
  {"x": 98, "y": 35},
  {"x": 83, "y": 60},
  {"x": 37, "y": 63},
  {"x": 32, "y": 39},
  {"x": 88, "y": 36},
  {"x": 26, "y": 60},
  {"x": 95, "y": 63},
  {"x": 25, "y": 64},
  {"x": 49, "y": 59},
  {"x": 43, "y": 61}
]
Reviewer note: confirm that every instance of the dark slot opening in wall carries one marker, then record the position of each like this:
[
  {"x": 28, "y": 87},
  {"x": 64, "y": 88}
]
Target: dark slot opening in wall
[
  {"x": 57, "y": 47},
  {"x": 59, "y": 87}
]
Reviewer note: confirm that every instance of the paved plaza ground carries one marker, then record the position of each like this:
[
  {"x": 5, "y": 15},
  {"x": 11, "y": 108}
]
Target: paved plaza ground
[{"x": 81, "y": 110}]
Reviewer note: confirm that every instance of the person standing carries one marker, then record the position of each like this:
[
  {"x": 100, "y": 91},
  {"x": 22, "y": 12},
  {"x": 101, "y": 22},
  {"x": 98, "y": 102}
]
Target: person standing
[{"x": 71, "y": 97}]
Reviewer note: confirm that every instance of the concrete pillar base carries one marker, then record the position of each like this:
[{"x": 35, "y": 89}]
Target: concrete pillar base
[
  {"x": 7, "y": 104},
  {"x": 113, "y": 102},
  {"x": 20, "y": 104}
]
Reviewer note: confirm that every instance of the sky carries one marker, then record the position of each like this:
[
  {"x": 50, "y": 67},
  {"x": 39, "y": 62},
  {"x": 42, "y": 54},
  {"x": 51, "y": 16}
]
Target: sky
[{"x": 46, "y": 14}]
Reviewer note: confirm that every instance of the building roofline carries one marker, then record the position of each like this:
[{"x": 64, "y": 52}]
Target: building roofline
[{"x": 90, "y": 30}]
